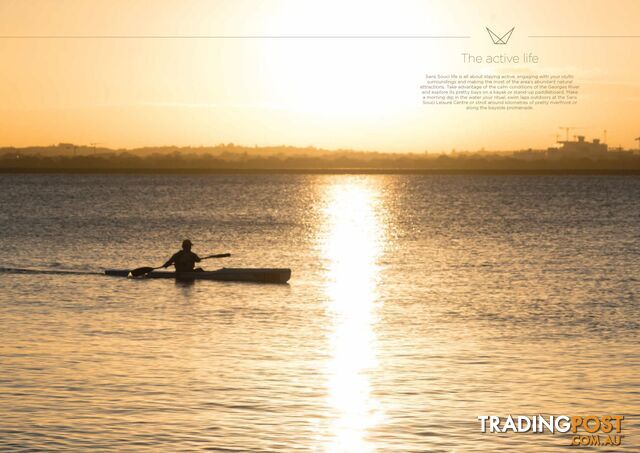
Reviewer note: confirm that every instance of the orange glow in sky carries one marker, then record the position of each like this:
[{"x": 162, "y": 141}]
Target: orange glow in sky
[{"x": 152, "y": 79}]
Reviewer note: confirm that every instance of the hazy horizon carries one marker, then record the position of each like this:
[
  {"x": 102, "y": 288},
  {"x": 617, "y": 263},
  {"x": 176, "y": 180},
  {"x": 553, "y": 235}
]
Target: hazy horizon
[
  {"x": 231, "y": 157},
  {"x": 91, "y": 148}
]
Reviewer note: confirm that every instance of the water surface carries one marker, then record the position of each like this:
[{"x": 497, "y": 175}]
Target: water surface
[{"x": 416, "y": 304}]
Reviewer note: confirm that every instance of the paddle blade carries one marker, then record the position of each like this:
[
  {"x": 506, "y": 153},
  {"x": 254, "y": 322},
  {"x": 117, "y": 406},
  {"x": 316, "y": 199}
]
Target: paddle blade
[
  {"x": 220, "y": 255},
  {"x": 140, "y": 271}
]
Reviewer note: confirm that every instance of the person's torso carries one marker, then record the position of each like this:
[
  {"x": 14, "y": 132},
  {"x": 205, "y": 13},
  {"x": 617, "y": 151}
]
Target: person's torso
[{"x": 184, "y": 261}]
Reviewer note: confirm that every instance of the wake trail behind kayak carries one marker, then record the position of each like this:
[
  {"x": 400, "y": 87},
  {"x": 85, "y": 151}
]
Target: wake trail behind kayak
[{"x": 15, "y": 270}]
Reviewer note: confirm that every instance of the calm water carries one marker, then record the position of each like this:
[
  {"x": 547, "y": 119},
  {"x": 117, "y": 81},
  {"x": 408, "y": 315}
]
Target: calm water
[{"x": 416, "y": 304}]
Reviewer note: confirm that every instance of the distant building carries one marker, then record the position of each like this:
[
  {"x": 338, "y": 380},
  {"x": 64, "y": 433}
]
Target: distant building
[{"x": 579, "y": 149}]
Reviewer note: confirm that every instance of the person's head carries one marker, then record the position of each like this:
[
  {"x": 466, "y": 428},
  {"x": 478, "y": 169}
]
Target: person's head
[{"x": 186, "y": 245}]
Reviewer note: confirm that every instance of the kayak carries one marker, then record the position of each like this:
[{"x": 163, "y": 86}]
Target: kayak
[{"x": 257, "y": 275}]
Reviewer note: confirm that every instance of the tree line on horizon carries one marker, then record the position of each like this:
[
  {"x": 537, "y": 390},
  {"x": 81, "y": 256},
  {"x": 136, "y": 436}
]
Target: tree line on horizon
[{"x": 68, "y": 157}]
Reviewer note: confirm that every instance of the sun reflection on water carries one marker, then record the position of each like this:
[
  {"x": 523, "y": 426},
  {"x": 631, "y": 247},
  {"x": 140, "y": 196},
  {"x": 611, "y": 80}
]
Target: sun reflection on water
[{"x": 352, "y": 247}]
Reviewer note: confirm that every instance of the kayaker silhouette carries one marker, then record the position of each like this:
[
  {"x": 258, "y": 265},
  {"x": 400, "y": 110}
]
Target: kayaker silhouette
[{"x": 185, "y": 259}]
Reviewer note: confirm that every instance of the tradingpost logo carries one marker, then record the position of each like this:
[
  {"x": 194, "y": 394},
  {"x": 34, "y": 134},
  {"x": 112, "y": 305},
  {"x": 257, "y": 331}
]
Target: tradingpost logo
[{"x": 585, "y": 430}]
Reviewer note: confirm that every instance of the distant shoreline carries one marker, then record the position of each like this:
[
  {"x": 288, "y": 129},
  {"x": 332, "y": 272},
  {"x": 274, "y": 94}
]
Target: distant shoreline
[
  {"x": 331, "y": 171},
  {"x": 223, "y": 159}
]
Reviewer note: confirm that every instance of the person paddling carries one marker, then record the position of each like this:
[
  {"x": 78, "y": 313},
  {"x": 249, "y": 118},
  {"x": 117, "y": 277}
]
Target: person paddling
[{"x": 185, "y": 259}]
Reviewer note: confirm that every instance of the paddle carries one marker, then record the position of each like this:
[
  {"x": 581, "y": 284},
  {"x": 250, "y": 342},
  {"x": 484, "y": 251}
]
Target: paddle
[{"x": 145, "y": 270}]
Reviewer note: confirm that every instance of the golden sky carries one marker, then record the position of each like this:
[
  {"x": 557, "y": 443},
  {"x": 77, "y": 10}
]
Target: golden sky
[{"x": 327, "y": 92}]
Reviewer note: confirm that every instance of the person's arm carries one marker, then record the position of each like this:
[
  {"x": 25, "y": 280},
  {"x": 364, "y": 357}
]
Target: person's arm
[
  {"x": 170, "y": 262},
  {"x": 197, "y": 258}
]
